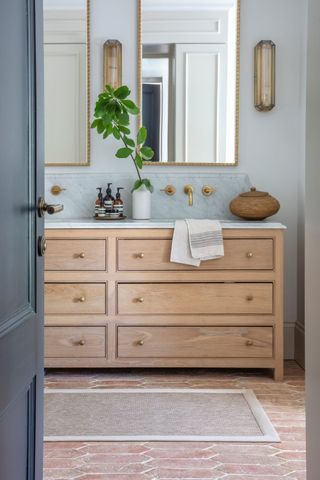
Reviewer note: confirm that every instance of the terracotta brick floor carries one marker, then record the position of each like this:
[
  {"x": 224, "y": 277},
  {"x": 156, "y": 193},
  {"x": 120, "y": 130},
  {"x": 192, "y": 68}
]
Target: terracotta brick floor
[{"x": 283, "y": 402}]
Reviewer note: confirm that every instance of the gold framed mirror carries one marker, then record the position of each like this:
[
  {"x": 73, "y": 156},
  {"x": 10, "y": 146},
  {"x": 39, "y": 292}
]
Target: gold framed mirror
[
  {"x": 188, "y": 80},
  {"x": 67, "y": 82}
]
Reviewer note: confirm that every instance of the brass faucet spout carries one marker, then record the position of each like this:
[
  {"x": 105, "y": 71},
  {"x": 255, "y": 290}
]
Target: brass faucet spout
[{"x": 188, "y": 190}]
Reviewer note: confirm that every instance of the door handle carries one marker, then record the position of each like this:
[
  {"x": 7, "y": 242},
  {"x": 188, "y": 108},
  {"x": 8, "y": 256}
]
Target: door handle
[
  {"x": 44, "y": 207},
  {"x": 42, "y": 246}
]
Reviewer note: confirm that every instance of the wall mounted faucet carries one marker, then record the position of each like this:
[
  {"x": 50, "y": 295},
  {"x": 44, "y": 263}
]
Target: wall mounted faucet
[{"x": 188, "y": 190}]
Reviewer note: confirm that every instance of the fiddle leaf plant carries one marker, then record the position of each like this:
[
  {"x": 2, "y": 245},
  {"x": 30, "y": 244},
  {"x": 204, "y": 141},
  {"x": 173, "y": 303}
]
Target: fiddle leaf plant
[{"x": 112, "y": 117}]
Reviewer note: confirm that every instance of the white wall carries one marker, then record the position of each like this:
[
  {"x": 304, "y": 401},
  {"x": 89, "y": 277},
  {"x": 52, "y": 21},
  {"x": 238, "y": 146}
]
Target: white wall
[{"x": 271, "y": 144}]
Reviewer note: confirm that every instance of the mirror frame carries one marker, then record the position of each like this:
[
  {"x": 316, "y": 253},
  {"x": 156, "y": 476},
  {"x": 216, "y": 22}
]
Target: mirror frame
[
  {"x": 88, "y": 122},
  {"x": 139, "y": 95}
]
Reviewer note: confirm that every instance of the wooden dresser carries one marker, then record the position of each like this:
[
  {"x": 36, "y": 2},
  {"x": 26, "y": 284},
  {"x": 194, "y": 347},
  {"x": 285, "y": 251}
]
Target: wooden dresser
[{"x": 113, "y": 299}]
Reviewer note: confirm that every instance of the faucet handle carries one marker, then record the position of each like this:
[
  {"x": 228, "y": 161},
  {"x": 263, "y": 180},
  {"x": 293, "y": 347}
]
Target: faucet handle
[
  {"x": 169, "y": 190},
  {"x": 208, "y": 190}
]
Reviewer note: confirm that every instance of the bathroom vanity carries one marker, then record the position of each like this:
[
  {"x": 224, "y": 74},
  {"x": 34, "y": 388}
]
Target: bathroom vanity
[{"x": 114, "y": 299}]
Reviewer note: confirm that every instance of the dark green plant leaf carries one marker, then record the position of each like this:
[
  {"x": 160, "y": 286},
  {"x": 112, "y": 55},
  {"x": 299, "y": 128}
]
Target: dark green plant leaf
[
  {"x": 108, "y": 130},
  {"x": 123, "y": 118},
  {"x": 146, "y": 153},
  {"x": 137, "y": 184},
  {"x": 138, "y": 161},
  {"x": 131, "y": 107},
  {"x": 148, "y": 184},
  {"x": 124, "y": 152},
  {"x": 94, "y": 123},
  {"x": 100, "y": 126},
  {"x": 109, "y": 89},
  {"x": 106, "y": 120},
  {"x": 124, "y": 129},
  {"x": 142, "y": 136},
  {"x": 122, "y": 92},
  {"x": 128, "y": 141},
  {"x": 116, "y": 133}
]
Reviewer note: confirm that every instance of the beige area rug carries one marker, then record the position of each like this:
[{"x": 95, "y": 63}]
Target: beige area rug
[{"x": 131, "y": 414}]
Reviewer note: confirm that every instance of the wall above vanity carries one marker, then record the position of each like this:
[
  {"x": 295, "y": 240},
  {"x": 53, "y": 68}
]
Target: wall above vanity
[{"x": 80, "y": 193}]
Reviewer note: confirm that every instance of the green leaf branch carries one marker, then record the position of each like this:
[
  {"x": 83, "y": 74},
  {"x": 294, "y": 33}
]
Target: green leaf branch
[{"x": 112, "y": 117}]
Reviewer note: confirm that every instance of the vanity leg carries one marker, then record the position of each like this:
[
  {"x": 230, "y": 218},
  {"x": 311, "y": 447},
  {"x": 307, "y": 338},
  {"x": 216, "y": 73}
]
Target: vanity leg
[{"x": 278, "y": 373}]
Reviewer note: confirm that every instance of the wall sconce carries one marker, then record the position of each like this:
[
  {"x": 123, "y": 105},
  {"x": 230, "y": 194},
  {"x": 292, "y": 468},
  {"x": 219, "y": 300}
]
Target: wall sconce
[
  {"x": 264, "y": 75},
  {"x": 112, "y": 63}
]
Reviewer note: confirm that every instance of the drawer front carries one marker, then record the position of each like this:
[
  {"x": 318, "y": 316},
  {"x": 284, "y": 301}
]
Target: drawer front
[
  {"x": 195, "y": 342},
  {"x": 240, "y": 254},
  {"x": 195, "y": 298},
  {"x": 75, "y": 298},
  {"x": 72, "y": 254},
  {"x": 70, "y": 342}
]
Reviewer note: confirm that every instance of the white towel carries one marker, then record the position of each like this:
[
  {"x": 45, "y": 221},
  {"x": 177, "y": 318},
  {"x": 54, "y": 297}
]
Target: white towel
[
  {"x": 180, "y": 249},
  {"x": 205, "y": 239}
]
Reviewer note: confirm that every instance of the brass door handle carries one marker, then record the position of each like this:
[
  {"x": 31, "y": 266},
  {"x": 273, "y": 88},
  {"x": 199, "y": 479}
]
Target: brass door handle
[
  {"x": 82, "y": 342},
  {"x": 44, "y": 207},
  {"x": 140, "y": 300},
  {"x": 82, "y": 299},
  {"x": 140, "y": 255},
  {"x": 81, "y": 255},
  {"x": 249, "y": 343},
  {"x": 141, "y": 342},
  {"x": 249, "y": 254}
]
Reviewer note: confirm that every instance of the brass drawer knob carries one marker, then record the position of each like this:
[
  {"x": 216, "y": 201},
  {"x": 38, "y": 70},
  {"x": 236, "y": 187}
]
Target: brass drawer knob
[
  {"x": 249, "y": 254},
  {"x": 249, "y": 343},
  {"x": 249, "y": 298},
  {"x": 82, "y": 342},
  {"x": 140, "y": 255},
  {"x": 141, "y": 342},
  {"x": 82, "y": 299},
  {"x": 81, "y": 255},
  {"x": 140, "y": 300}
]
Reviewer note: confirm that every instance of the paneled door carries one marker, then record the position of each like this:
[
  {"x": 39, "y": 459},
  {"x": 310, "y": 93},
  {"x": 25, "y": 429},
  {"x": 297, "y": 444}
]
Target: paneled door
[
  {"x": 201, "y": 70},
  {"x": 21, "y": 229}
]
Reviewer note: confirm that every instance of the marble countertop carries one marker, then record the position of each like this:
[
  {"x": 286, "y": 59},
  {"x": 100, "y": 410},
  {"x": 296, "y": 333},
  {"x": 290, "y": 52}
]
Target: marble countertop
[{"x": 153, "y": 223}]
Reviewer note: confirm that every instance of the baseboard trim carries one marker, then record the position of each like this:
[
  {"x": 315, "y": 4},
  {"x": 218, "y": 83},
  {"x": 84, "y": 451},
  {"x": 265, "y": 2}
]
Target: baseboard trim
[
  {"x": 299, "y": 339},
  {"x": 289, "y": 336}
]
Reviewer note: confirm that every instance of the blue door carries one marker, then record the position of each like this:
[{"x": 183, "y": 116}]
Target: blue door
[{"x": 21, "y": 243}]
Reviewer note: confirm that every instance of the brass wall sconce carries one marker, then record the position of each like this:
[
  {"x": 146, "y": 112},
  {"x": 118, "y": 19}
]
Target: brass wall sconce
[
  {"x": 112, "y": 63},
  {"x": 264, "y": 75}
]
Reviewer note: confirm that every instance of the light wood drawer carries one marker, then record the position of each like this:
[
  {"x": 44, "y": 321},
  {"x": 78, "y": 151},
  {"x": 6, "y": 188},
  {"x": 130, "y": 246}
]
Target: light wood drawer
[
  {"x": 75, "y": 298},
  {"x": 195, "y": 298},
  {"x": 195, "y": 342},
  {"x": 72, "y": 254},
  {"x": 240, "y": 254},
  {"x": 69, "y": 342}
]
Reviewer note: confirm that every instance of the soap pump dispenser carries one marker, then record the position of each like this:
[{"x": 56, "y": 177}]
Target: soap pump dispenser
[
  {"x": 108, "y": 199},
  {"x": 118, "y": 203},
  {"x": 99, "y": 208}
]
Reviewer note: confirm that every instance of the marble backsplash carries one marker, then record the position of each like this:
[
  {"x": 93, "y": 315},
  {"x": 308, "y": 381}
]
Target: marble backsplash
[{"x": 80, "y": 193}]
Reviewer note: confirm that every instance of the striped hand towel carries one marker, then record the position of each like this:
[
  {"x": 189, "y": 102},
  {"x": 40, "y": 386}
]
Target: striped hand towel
[
  {"x": 180, "y": 248},
  {"x": 205, "y": 239}
]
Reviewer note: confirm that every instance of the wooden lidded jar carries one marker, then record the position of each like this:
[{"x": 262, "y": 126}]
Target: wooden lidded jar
[{"x": 254, "y": 205}]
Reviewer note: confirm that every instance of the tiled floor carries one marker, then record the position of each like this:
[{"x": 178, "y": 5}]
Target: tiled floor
[{"x": 283, "y": 402}]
